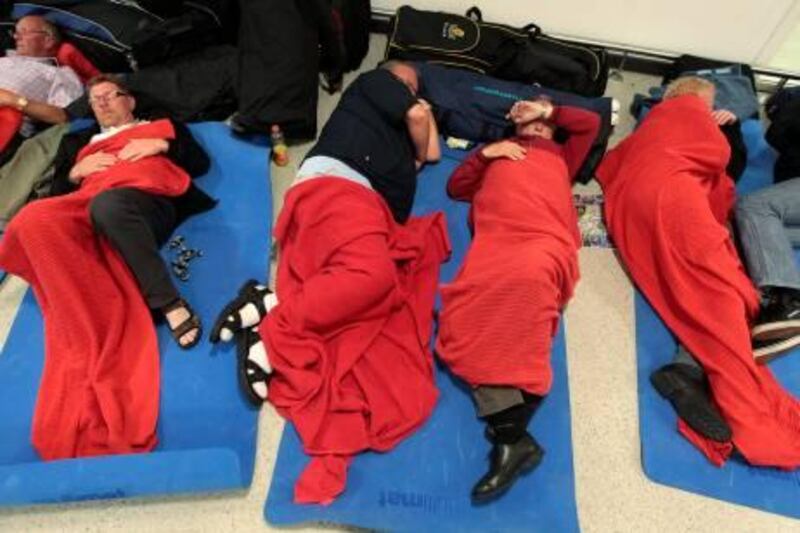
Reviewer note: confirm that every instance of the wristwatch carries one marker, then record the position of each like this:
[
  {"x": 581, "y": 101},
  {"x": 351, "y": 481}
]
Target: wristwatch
[{"x": 22, "y": 103}]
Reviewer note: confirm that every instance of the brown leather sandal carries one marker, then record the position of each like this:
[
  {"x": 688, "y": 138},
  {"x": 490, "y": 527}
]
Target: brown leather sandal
[{"x": 188, "y": 325}]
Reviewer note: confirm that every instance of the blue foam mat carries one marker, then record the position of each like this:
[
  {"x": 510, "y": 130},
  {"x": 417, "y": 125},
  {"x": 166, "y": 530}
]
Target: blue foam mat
[
  {"x": 425, "y": 482},
  {"x": 670, "y": 459},
  {"x": 206, "y": 429}
]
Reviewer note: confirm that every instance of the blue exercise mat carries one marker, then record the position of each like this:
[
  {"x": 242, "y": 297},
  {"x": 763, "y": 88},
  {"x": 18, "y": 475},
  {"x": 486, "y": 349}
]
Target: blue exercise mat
[
  {"x": 670, "y": 459},
  {"x": 207, "y": 432},
  {"x": 424, "y": 483}
]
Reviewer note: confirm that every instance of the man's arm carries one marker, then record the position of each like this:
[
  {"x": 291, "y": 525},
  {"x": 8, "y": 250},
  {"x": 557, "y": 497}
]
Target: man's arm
[
  {"x": 582, "y": 127},
  {"x": 40, "y": 111},
  {"x": 467, "y": 178},
  {"x": 419, "y": 121},
  {"x": 434, "y": 147}
]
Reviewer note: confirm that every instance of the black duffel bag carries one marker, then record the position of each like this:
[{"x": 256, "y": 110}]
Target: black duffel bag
[
  {"x": 118, "y": 37},
  {"x": 516, "y": 54}
]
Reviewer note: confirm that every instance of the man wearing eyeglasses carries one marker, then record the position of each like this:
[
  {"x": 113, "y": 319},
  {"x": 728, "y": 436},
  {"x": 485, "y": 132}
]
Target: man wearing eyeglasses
[
  {"x": 91, "y": 256},
  {"x": 30, "y": 79}
]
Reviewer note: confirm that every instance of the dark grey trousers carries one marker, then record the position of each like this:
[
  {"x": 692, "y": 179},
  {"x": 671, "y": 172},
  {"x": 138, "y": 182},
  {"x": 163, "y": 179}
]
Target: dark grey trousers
[{"x": 137, "y": 224}]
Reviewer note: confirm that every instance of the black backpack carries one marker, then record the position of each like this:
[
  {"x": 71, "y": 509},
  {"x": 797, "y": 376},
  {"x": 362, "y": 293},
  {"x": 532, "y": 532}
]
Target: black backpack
[
  {"x": 344, "y": 39},
  {"x": 516, "y": 54},
  {"x": 352, "y": 18}
]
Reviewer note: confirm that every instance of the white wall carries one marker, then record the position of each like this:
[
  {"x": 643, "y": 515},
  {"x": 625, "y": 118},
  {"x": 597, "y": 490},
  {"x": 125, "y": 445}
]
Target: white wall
[{"x": 751, "y": 31}]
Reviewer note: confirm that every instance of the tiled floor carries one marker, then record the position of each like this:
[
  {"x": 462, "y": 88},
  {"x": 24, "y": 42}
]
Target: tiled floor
[{"x": 612, "y": 492}]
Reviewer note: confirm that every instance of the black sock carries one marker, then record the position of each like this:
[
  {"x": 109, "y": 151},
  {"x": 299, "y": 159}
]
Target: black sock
[{"x": 509, "y": 425}]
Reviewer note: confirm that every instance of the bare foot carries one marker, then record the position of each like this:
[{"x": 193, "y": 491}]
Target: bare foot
[{"x": 177, "y": 316}]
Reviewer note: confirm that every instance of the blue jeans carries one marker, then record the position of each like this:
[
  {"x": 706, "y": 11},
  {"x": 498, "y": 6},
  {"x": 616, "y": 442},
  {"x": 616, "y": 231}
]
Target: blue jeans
[{"x": 769, "y": 227}]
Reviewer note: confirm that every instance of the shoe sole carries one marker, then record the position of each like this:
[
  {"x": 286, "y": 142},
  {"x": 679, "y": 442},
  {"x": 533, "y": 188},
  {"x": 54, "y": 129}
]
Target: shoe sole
[
  {"x": 666, "y": 387},
  {"x": 526, "y": 468},
  {"x": 776, "y": 330},
  {"x": 765, "y": 354}
]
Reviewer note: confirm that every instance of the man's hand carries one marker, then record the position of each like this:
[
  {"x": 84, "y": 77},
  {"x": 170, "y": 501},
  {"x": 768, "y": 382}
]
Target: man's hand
[
  {"x": 137, "y": 149},
  {"x": 525, "y": 111},
  {"x": 508, "y": 149},
  {"x": 723, "y": 117},
  {"x": 8, "y": 98},
  {"x": 90, "y": 164}
]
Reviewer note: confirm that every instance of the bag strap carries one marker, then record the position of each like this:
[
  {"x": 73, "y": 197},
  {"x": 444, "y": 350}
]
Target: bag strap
[
  {"x": 475, "y": 14},
  {"x": 533, "y": 30}
]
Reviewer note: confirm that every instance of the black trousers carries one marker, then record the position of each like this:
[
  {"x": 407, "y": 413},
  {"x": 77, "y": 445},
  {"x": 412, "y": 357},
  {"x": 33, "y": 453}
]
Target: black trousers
[{"x": 137, "y": 224}]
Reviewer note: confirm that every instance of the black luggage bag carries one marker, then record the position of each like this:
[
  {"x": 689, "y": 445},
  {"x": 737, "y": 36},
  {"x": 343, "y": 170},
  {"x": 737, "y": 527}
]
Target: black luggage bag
[{"x": 516, "y": 54}]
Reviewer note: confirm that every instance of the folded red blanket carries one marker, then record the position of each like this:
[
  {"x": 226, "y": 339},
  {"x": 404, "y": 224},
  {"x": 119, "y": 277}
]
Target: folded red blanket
[
  {"x": 99, "y": 390},
  {"x": 350, "y": 338}
]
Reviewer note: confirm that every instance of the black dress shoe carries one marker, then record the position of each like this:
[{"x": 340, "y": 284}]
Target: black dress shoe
[
  {"x": 685, "y": 388},
  {"x": 508, "y": 461}
]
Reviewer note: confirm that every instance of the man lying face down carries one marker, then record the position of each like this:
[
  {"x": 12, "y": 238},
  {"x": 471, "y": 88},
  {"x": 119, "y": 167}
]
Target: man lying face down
[
  {"x": 91, "y": 256},
  {"x": 668, "y": 199},
  {"x": 501, "y": 312},
  {"x": 342, "y": 350}
]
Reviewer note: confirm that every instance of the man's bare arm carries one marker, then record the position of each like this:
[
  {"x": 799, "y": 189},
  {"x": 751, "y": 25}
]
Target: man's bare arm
[
  {"x": 419, "y": 129},
  {"x": 36, "y": 110}
]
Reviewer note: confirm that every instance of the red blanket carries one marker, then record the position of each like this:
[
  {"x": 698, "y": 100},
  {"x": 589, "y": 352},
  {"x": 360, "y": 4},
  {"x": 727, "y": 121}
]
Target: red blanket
[
  {"x": 499, "y": 315},
  {"x": 666, "y": 196},
  {"x": 99, "y": 390},
  {"x": 350, "y": 338},
  {"x": 10, "y": 122}
]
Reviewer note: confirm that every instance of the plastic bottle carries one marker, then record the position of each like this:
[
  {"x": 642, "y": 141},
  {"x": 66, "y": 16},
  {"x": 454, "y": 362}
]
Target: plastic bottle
[{"x": 280, "y": 152}]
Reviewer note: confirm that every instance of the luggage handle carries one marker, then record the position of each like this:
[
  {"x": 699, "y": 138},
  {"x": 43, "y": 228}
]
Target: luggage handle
[
  {"x": 533, "y": 30},
  {"x": 475, "y": 14}
]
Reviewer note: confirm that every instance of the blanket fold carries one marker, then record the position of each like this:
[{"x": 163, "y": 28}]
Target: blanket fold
[{"x": 350, "y": 338}]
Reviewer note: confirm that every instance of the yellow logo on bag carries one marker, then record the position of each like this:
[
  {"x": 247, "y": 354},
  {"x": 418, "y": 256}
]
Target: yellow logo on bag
[{"x": 453, "y": 31}]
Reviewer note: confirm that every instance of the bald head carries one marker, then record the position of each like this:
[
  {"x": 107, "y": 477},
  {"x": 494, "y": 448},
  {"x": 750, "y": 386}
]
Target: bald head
[
  {"x": 34, "y": 36},
  {"x": 405, "y": 73}
]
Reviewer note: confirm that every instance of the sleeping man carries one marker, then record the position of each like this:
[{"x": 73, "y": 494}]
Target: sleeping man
[
  {"x": 91, "y": 257},
  {"x": 501, "y": 312},
  {"x": 668, "y": 199},
  {"x": 343, "y": 349},
  {"x": 32, "y": 86}
]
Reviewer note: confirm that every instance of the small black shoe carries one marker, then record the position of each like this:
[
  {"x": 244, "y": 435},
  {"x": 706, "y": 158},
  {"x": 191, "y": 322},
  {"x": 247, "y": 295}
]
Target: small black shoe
[
  {"x": 508, "y": 461},
  {"x": 779, "y": 318},
  {"x": 686, "y": 390}
]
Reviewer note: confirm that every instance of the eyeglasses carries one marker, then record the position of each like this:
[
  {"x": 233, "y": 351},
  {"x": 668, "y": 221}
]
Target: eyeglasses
[
  {"x": 24, "y": 33},
  {"x": 106, "y": 98}
]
